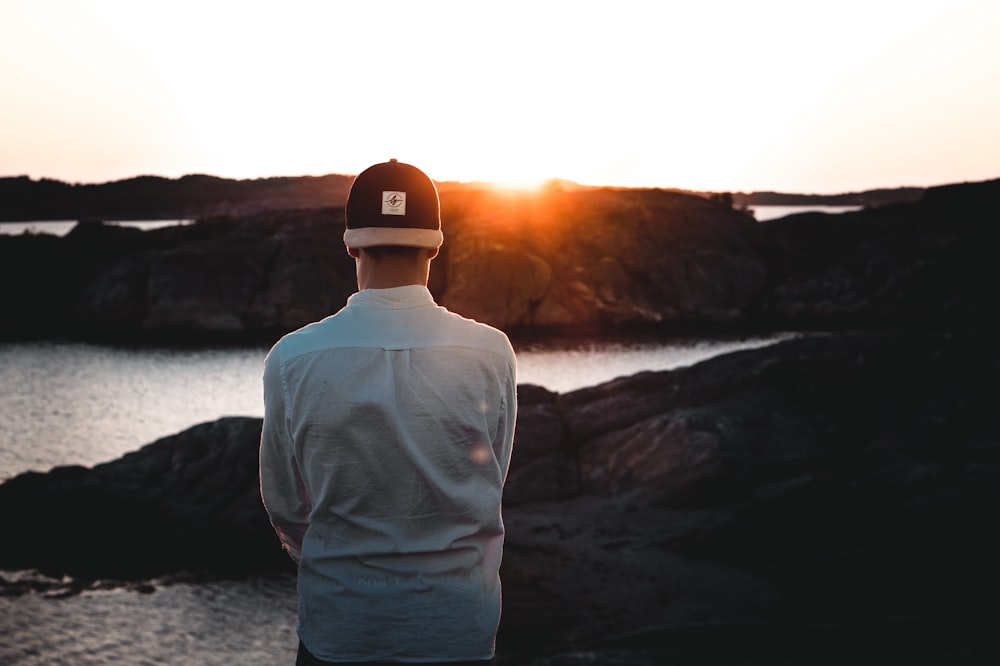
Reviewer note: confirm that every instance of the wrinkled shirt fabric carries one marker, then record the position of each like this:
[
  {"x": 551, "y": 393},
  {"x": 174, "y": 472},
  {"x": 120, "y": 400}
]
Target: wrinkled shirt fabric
[{"x": 387, "y": 437}]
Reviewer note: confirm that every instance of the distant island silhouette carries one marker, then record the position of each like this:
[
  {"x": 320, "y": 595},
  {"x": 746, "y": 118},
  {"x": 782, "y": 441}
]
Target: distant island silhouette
[{"x": 188, "y": 197}]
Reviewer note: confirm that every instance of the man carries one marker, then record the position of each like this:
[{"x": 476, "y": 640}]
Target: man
[{"x": 387, "y": 435}]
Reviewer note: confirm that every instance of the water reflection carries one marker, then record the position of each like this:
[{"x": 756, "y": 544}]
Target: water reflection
[
  {"x": 566, "y": 365},
  {"x": 74, "y": 403}
]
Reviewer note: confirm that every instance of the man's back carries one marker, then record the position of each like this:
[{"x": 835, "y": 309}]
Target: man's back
[{"x": 386, "y": 443}]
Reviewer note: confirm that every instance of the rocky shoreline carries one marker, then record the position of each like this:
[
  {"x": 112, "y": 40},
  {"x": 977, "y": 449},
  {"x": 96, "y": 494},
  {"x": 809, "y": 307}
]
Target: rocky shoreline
[{"x": 805, "y": 502}]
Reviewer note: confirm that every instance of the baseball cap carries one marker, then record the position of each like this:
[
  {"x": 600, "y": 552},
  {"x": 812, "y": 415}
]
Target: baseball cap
[{"x": 393, "y": 203}]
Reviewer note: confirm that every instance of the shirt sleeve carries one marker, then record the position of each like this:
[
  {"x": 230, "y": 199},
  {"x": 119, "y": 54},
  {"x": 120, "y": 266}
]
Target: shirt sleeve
[{"x": 282, "y": 490}]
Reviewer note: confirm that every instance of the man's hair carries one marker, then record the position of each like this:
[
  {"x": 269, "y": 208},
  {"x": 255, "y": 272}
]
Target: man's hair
[{"x": 377, "y": 252}]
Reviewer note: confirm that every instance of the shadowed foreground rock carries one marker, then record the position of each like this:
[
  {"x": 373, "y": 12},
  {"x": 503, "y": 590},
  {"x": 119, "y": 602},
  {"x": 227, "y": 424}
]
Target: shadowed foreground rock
[
  {"x": 186, "y": 502},
  {"x": 829, "y": 499}
]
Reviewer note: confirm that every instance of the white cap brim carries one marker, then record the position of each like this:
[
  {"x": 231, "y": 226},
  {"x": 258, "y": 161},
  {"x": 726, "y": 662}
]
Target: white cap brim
[{"x": 374, "y": 236}]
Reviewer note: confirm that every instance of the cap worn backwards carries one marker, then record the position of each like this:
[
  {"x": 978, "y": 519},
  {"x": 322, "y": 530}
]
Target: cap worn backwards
[{"x": 393, "y": 204}]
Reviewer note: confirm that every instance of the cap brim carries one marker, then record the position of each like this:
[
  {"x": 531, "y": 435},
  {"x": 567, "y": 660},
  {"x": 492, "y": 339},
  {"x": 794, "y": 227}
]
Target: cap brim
[{"x": 409, "y": 237}]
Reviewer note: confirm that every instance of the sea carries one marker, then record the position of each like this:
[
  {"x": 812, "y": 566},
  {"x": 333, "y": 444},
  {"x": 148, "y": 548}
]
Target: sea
[
  {"x": 63, "y": 227},
  {"x": 65, "y": 402},
  {"x": 764, "y": 213}
]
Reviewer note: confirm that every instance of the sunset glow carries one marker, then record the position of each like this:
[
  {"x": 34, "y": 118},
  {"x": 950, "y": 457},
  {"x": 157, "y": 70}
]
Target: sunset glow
[
  {"x": 716, "y": 95},
  {"x": 519, "y": 185}
]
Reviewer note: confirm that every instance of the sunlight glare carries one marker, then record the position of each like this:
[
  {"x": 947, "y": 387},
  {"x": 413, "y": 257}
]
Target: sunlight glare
[{"x": 528, "y": 185}]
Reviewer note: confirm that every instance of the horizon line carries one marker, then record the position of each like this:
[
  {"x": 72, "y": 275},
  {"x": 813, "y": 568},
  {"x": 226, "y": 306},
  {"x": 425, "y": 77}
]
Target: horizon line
[{"x": 500, "y": 183}]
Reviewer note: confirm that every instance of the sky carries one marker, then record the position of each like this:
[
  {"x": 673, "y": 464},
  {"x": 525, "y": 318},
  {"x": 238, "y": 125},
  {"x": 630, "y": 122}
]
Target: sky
[{"x": 793, "y": 96}]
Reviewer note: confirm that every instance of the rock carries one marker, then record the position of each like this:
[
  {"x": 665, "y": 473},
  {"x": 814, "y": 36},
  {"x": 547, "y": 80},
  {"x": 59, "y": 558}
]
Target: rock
[
  {"x": 185, "y": 502},
  {"x": 928, "y": 262},
  {"x": 205, "y": 286},
  {"x": 528, "y": 263},
  {"x": 222, "y": 279},
  {"x": 594, "y": 257},
  {"x": 309, "y": 276},
  {"x": 494, "y": 282},
  {"x": 832, "y": 490},
  {"x": 599, "y": 257}
]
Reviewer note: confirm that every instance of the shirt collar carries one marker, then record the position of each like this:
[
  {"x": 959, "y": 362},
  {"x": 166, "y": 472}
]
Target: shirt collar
[{"x": 395, "y": 298}]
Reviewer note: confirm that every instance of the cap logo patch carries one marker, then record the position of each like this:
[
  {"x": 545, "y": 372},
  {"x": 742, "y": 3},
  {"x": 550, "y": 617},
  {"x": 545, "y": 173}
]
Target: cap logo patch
[{"x": 393, "y": 203}]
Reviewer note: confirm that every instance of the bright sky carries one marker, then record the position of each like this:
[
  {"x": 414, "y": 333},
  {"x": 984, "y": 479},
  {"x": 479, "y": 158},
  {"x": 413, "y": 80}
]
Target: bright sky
[{"x": 783, "y": 95}]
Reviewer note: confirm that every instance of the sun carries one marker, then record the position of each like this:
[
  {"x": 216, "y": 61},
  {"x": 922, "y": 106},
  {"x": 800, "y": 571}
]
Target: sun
[{"x": 521, "y": 185}]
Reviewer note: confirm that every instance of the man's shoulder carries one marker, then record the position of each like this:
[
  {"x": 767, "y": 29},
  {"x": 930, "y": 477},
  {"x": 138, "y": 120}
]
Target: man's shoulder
[
  {"x": 432, "y": 327},
  {"x": 306, "y": 337},
  {"x": 476, "y": 333}
]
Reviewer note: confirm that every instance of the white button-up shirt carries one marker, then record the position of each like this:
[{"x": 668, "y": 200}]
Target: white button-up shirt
[{"x": 387, "y": 436}]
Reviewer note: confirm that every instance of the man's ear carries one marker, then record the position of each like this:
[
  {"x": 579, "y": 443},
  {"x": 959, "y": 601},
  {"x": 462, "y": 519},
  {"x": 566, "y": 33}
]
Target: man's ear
[{"x": 353, "y": 251}]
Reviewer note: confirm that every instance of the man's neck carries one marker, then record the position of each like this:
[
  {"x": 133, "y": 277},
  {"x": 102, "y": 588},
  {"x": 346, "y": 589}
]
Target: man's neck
[
  {"x": 388, "y": 284},
  {"x": 388, "y": 272}
]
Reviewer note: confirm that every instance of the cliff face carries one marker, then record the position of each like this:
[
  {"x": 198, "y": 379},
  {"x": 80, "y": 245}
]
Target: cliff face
[
  {"x": 531, "y": 262},
  {"x": 807, "y": 502}
]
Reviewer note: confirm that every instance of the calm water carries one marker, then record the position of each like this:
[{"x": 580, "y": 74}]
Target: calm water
[
  {"x": 250, "y": 623},
  {"x": 63, "y": 227},
  {"x": 762, "y": 213},
  {"x": 71, "y": 403},
  {"x": 84, "y": 404}
]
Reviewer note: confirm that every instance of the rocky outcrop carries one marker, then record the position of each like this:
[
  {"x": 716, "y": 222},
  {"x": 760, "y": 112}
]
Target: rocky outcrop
[
  {"x": 186, "y": 502},
  {"x": 821, "y": 498},
  {"x": 832, "y": 489},
  {"x": 528, "y": 262},
  {"x": 156, "y": 198},
  {"x": 221, "y": 279},
  {"x": 921, "y": 263},
  {"x": 197, "y": 195},
  {"x": 600, "y": 257}
]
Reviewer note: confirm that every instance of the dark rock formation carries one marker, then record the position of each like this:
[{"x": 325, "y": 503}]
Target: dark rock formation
[
  {"x": 593, "y": 257},
  {"x": 186, "y": 502},
  {"x": 198, "y": 195},
  {"x": 918, "y": 263},
  {"x": 599, "y": 257},
  {"x": 809, "y": 502},
  {"x": 220, "y": 279},
  {"x": 156, "y": 198},
  {"x": 596, "y": 258}
]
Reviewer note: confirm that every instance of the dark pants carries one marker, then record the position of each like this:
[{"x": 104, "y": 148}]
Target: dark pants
[{"x": 305, "y": 658}]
